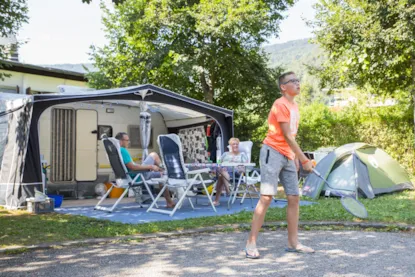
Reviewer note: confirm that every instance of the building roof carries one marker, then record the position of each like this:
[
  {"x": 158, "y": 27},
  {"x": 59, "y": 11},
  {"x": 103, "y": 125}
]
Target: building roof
[{"x": 44, "y": 71}]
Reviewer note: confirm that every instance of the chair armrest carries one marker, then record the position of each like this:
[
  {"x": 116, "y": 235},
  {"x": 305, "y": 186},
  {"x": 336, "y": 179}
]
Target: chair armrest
[
  {"x": 160, "y": 180},
  {"x": 196, "y": 171},
  {"x": 139, "y": 171}
]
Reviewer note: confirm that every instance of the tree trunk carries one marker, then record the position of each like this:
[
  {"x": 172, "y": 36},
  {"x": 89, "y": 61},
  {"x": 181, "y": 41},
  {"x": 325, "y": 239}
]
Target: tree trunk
[{"x": 207, "y": 90}]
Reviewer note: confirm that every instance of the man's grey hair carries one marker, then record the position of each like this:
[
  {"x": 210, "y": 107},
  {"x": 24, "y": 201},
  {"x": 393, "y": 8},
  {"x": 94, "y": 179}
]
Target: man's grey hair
[
  {"x": 120, "y": 135},
  {"x": 281, "y": 79}
]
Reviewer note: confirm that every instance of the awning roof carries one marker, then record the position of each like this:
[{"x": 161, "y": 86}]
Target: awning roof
[
  {"x": 144, "y": 92},
  {"x": 176, "y": 109}
]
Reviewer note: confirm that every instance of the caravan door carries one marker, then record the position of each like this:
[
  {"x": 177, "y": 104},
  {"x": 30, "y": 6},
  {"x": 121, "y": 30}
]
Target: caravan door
[{"x": 86, "y": 145}]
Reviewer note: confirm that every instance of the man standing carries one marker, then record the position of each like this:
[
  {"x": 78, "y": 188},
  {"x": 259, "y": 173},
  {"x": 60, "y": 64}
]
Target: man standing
[
  {"x": 151, "y": 163},
  {"x": 279, "y": 158}
]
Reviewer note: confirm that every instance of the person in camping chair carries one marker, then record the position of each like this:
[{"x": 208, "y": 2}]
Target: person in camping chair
[
  {"x": 151, "y": 163},
  {"x": 233, "y": 156}
]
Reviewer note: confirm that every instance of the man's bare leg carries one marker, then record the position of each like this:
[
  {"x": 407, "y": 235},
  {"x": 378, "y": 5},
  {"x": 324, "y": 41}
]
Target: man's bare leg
[
  {"x": 170, "y": 202},
  {"x": 293, "y": 210},
  {"x": 257, "y": 221},
  {"x": 156, "y": 158},
  {"x": 166, "y": 194}
]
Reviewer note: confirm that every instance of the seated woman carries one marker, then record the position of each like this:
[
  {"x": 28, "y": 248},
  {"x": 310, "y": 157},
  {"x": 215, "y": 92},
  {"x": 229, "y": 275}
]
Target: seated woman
[{"x": 233, "y": 156}]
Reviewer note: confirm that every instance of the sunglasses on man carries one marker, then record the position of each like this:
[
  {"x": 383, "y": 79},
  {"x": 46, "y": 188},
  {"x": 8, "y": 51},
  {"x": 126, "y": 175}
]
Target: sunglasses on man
[{"x": 294, "y": 81}]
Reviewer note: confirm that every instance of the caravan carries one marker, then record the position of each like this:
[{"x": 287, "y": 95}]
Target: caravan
[{"x": 70, "y": 145}]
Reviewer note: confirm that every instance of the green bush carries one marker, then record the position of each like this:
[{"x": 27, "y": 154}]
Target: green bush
[
  {"x": 389, "y": 128},
  {"x": 392, "y": 129}
]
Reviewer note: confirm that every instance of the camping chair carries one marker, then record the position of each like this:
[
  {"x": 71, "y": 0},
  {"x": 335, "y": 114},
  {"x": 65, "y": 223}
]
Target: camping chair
[
  {"x": 177, "y": 174},
  {"x": 247, "y": 179},
  {"x": 123, "y": 179}
]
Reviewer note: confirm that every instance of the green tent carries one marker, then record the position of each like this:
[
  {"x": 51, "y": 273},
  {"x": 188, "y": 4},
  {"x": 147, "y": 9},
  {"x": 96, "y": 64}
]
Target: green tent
[{"x": 357, "y": 165}]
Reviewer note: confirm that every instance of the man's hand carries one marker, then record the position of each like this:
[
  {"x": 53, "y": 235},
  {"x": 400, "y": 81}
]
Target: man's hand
[
  {"x": 156, "y": 168},
  {"x": 308, "y": 166}
]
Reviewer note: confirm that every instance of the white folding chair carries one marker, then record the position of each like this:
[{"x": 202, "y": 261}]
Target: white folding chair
[
  {"x": 123, "y": 179},
  {"x": 249, "y": 178},
  {"x": 177, "y": 174}
]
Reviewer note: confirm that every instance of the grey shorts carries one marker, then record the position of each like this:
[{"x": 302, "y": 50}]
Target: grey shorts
[
  {"x": 152, "y": 174},
  {"x": 274, "y": 167}
]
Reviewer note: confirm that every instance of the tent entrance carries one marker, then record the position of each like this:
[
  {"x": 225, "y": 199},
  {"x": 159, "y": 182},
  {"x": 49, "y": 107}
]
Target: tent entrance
[
  {"x": 86, "y": 145},
  {"x": 342, "y": 177}
]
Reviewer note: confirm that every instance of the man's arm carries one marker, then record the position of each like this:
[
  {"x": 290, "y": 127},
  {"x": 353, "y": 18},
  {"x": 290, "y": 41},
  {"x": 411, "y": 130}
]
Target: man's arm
[
  {"x": 286, "y": 130},
  {"x": 137, "y": 167}
]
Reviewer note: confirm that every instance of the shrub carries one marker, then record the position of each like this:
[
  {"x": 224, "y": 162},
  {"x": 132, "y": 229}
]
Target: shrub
[{"x": 389, "y": 128}]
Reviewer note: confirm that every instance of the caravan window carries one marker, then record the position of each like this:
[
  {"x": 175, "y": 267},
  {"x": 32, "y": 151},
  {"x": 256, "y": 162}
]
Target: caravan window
[
  {"x": 104, "y": 129},
  {"x": 134, "y": 134}
]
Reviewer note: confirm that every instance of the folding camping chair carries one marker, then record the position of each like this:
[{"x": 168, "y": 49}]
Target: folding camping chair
[
  {"x": 177, "y": 174},
  {"x": 247, "y": 179},
  {"x": 123, "y": 179}
]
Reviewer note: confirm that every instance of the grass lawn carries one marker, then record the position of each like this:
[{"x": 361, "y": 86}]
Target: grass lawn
[{"x": 22, "y": 228}]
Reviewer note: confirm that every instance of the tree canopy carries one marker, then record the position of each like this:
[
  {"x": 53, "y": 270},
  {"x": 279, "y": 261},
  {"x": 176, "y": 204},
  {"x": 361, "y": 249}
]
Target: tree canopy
[
  {"x": 208, "y": 50},
  {"x": 368, "y": 43}
]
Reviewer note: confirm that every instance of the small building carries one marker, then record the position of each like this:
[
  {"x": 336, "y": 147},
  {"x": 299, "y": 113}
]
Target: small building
[{"x": 33, "y": 79}]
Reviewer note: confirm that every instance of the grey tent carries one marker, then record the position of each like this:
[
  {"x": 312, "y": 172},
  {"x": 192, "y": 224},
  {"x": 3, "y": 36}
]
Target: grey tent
[
  {"x": 20, "y": 160},
  {"x": 359, "y": 166}
]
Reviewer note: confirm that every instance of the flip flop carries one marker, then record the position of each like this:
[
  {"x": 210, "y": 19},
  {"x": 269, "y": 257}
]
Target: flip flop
[
  {"x": 249, "y": 256},
  {"x": 300, "y": 249}
]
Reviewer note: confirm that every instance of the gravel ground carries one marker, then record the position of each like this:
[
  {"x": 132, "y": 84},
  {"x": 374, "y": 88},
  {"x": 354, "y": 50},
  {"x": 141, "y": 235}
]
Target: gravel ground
[{"x": 339, "y": 253}]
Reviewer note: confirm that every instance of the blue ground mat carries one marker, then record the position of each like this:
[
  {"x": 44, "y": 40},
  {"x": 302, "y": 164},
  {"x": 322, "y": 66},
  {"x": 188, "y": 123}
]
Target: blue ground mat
[{"x": 132, "y": 213}]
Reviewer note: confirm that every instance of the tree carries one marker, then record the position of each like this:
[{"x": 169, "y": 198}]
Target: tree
[
  {"x": 208, "y": 50},
  {"x": 307, "y": 94},
  {"x": 368, "y": 43},
  {"x": 13, "y": 13}
]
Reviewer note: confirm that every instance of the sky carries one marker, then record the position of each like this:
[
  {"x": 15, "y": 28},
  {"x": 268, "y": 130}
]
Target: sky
[{"x": 62, "y": 31}]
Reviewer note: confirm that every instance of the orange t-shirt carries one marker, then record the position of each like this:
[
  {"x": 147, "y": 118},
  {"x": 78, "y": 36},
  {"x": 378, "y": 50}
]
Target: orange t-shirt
[{"x": 282, "y": 111}]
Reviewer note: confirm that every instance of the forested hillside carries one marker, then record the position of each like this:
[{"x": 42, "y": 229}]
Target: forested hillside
[{"x": 294, "y": 56}]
